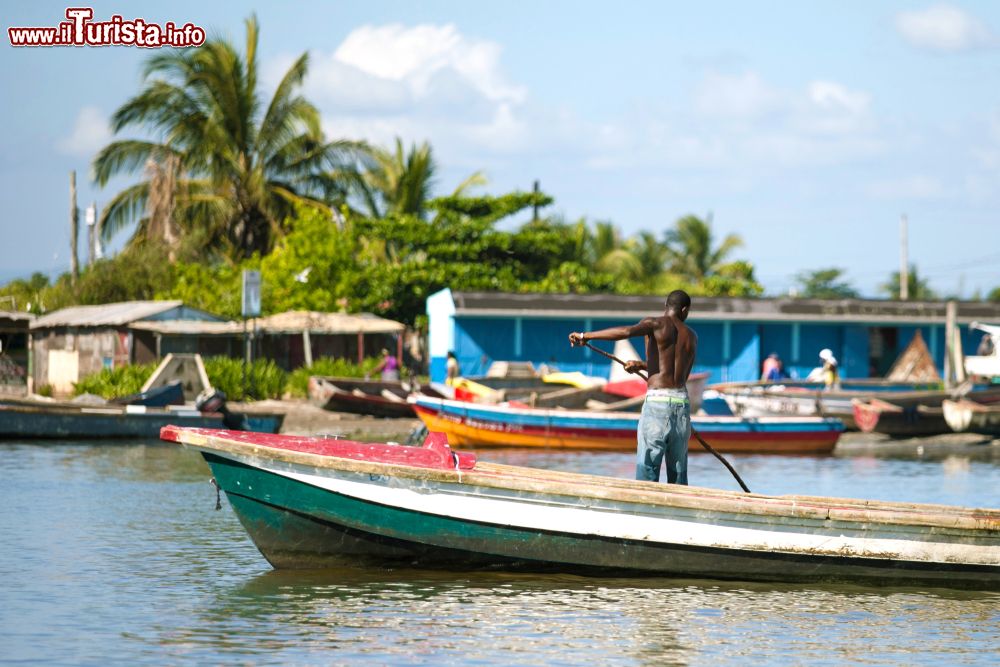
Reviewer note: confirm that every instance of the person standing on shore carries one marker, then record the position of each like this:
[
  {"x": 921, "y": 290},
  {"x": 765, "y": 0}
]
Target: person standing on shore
[{"x": 665, "y": 425}]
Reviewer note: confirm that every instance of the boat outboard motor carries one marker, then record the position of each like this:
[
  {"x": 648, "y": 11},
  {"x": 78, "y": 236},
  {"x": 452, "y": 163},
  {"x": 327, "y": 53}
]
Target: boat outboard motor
[{"x": 214, "y": 400}]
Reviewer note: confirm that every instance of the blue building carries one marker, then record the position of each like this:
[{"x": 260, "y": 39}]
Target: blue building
[{"x": 735, "y": 335}]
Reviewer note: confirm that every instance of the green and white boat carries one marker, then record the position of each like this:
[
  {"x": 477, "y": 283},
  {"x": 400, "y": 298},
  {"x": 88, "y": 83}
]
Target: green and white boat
[{"x": 315, "y": 502}]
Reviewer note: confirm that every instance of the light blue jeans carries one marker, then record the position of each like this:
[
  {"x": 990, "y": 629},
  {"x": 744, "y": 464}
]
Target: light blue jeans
[{"x": 664, "y": 429}]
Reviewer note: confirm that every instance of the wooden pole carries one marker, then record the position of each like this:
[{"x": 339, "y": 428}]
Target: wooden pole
[
  {"x": 361, "y": 348},
  {"x": 904, "y": 263},
  {"x": 74, "y": 227},
  {"x": 307, "y": 347},
  {"x": 950, "y": 314},
  {"x": 399, "y": 350}
]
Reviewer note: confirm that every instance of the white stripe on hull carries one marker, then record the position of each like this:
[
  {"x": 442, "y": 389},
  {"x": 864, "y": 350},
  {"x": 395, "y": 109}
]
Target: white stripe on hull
[{"x": 631, "y": 521}]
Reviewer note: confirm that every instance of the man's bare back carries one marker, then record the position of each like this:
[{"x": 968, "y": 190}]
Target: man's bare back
[{"x": 670, "y": 346}]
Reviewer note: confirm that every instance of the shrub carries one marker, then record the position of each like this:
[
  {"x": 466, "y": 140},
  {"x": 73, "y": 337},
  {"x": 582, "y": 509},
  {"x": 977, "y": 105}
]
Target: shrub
[
  {"x": 114, "y": 382},
  {"x": 298, "y": 381},
  {"x": 264, "y": 379}
]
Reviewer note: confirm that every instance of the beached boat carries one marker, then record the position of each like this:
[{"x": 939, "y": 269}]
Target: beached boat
[
  {"x": 967, "y": 416},
  {"x": 313, "y": 503},
  {"x": 500, "y": 425},
  {"x": 878, "y": 416},
  {"x": 28, "y": 420},
  {"x": 756, "y": 399},
  {"x": 363, "y": 397}
]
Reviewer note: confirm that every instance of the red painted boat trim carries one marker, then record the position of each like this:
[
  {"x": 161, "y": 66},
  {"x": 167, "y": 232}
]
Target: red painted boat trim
[{"x": 435, "y": 452}]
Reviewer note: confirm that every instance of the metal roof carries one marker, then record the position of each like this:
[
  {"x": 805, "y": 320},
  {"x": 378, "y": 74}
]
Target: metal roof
[
  {"x": 291, "y": 322},
  {"x": 297, "y": 321},
  {"x": 189, "y": 327},
  {"x": 610, "y": 306},
  {"x": 108, "y": 314},
  {"x": 15, "y": 316}
]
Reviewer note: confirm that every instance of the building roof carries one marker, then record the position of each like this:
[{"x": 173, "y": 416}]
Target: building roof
[
  {"x": 610, "y": 306},
  {"x": 15, "y": 316},
  {"x": 189, "y": 327},
  {"x": 108, "y": 314},
  {"x": 295, "y": 321},
  {"x": 291, "y": 322}
]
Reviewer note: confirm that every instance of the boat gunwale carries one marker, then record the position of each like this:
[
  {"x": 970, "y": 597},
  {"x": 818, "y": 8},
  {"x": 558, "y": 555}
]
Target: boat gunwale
[
  {"x": 580, "y": 485},
  {"x": 442, "y": 404}
]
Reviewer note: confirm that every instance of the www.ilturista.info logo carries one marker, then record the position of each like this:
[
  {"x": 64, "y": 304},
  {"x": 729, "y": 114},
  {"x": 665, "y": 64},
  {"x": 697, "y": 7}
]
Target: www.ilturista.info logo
[{"x": 80, "y": 30}]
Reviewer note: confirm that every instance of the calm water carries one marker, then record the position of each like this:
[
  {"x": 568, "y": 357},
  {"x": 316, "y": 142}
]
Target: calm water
[{"x": 114, "y": 554}]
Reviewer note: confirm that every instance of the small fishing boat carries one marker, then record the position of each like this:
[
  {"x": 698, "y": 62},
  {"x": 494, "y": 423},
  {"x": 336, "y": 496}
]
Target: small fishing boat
[
  {"x": 505, "y": 426},
  {"x": 878, "y": 416},
  {"x": 314, "y": 502},
  {"x": 363, "y": 397},
  {"x": 158, "y": 397},
  {"x": 64, "y": 420},
  {"x": 967, "y": 416}
]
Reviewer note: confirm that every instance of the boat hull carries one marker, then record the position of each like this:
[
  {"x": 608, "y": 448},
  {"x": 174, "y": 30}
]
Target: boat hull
[
  {"x": 899, "y": 422},
  {"x": 972, "y": 417},
  {"x": 301, "y": 518},
  {"x": 21, "y": 422},
  {"x": 493, "y": 426}
]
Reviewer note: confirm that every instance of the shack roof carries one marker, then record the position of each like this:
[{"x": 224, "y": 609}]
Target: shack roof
[
  {"x": 291, "y": 322},
  {"x": 295, "y": 321},
  {"x": 610, "y": 306},
  {"x": 189, "y": 327},
  {"x": 15, "y": 316},
  {"x": 116, "y": 314}
]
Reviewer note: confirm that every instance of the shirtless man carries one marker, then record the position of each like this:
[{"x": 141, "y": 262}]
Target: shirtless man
[{"x": 665, "y": 425}]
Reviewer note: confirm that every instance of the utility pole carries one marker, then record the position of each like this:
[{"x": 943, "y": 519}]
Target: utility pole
[
  {"x": 74, "y": 226},
  {"x": 904, "y": 263},
  {"x": 90, "y": 218},
  {"x": 537, "y": 191}
]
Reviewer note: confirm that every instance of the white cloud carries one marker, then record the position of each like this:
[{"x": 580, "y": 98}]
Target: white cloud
[
  {"x": 943, "y": 28},
  {"x": 416, "y": 55},
  {"x": 91, "y": 132}
]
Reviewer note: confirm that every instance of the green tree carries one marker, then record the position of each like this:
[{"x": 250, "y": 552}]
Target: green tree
[
  {"x": 400, "y": 182},
  {"x": 825, "y": 284},
  {"x": 918, "y": 288},
  {"x": 235, "y": 165},
  {"x": 25, "y": 294},
  {"x": 994, "y": 294},
  {"x": 691, "y": 250}
]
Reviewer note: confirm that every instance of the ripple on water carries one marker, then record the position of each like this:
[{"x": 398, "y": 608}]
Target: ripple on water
[{"x": 116, "y": 554}]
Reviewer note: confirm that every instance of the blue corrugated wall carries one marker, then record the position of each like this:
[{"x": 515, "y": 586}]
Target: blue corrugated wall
[{"x": 729, "y": 352}]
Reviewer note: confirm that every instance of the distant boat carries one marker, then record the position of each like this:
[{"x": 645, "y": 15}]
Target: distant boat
[
  {"x": 504, "y": 426},
  {"x": 363, "y": 397},
  {"x": 967, "y": 416},
  {"x": 913, "y": 380},
  {"x": 878, "y": 416},
  {"x": 30, "y": 420},
  {"x": 315, "y": 503},
  {"x": 158, "y": 397}
]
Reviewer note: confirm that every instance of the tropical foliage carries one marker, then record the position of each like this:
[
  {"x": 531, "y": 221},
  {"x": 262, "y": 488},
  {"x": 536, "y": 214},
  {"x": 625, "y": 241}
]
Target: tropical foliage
[
  {"x": 225, "y": 167},
  {"x": 230, "y": 180},
  {"x": 825, "y": 284},
  {"x": 917, "y": 287}
]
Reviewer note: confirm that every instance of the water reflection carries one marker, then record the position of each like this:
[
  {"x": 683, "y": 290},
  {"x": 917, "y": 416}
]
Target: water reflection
[
  {"x": 115, "y": 554},
  {"x": 404, "y": 616}
]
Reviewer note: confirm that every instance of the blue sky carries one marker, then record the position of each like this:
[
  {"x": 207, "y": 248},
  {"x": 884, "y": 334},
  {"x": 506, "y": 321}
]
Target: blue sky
[{"x": 806, "y": 128}]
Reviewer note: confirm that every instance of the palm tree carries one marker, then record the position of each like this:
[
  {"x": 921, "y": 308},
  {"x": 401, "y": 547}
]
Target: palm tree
[
  {"x": 240, "y": 166},
  {"x": 400, "y": 182},
  {"x": 613, "y": 254},
  {"x": 690, "y": 248},
  {"x": 917, "y": 288}
]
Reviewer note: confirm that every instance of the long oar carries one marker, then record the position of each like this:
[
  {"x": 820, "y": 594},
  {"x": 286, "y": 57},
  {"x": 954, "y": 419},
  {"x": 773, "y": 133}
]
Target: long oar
[{"x": 693, "y": 431}]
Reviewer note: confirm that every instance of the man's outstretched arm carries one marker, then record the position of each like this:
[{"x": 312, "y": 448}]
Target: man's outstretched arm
[{"x": 642, "y": 328}]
